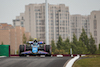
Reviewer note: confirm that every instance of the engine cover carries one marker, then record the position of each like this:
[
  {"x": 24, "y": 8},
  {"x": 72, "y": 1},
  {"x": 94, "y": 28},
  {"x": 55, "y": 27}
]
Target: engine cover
[{"x": 34, "y": 49}]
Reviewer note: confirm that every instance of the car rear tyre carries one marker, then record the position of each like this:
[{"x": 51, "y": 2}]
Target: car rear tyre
[
  {"x": 21, "y": 49},
  {"x": 48, "y": 49}
]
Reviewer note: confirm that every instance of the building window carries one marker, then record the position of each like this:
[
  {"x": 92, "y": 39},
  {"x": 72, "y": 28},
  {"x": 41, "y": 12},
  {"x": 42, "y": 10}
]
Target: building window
[
  {"x": 51, "y": 20},
  {"x": 95, "y": 24},
  {"x": 38, "y": 9},
  {"x": 36, "y": 13},
  {"x": 95, "y": 33},
  {"x": 39, "y": 23},
  {"x": 51, "y": 17},
  {"x": 51, "y": 14},
  {"x": 36, "y": 20},
  {"x": 57, "y": 20},
  {"x": 66, "y": 10},
  {"x": 22, "y": 18},
  {"x": 51, "y": 27},
  {"x": 29, "y": 9},
  {"x": 51, "y": 30},
  {"x": 57, "y": 14},
  {"x": 22, "y": 24},
  {"x": 40, "y": 17},
  {"x": 94, "y": 16},
  {"x": 95, "y": 40},
  {"x": 14, "y": 23}
]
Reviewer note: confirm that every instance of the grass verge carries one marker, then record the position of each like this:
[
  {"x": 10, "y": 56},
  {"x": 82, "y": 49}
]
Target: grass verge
[{"x": 88, "y": 61}]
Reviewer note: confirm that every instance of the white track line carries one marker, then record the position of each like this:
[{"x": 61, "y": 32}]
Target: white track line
[
  {"x": 71, "y": 62},
  {"x": 2, "y": 56}
]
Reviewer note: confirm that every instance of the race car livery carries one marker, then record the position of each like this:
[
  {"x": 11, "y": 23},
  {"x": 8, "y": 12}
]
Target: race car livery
[{"x": 34, "y": 48}]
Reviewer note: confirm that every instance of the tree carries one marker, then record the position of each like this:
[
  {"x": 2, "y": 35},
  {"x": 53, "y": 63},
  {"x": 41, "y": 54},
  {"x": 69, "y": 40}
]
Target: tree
[
  {"x": 53, "y": 46},
  {"x": 66, "y": 45},
  {"x": 2, "y": 43},
  {"x": 92, "y": 46},
  {"x": 74, "y": 44},
  {"x": 78, "y": 47},
  {"x": 61, "y": 51},
  {"x": 24, "y": 39},
  {"x": 99, "y": 49},
  {"x": 84, "y": 38},
  {"x": 81, "y": 48},
  {"x": 74, "y": 39},
  {"x": 59, "y": 43},
  {"x": 99, "y": 46}
]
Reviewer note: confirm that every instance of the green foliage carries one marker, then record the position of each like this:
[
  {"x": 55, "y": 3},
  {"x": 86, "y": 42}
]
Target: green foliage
[
  {"x": 53, "y": 46},
  {"x": 88, "y": 62},
  {"x": 67, "y": 46},
  {"x": 17, "y": 51},
  {"x": 84, "y": 38},
  {"x": 98, "y": 51},
  {"x": 61, "y": 51},
  {"x": 85, "y": 45},
  {"x": 78, "y": 46},
  {"x": 2, "y": 43},
  {"x": 74, "y": 39},
  {"x": 92, "y": 46},
  {"x": 24, "y": 39},
  {"x": 62, "y": 46},
  {"x": 88, "y": 42},
  {"x": 59, "y": 43},
  {"x": 81, "y": 48},
  {"x": 99, "y": 46}
]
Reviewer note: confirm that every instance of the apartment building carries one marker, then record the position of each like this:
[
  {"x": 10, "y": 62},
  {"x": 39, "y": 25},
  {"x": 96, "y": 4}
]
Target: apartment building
[
  {"x": 19, "y": 21},
  {"x": 90, "y": 23},
  {"x": 12, "y": 36},
  {"x": 95, "y": 26},
  {"x": 86, "y": 24},
  {"x": 77, "y": 23},
  {"x": 5, "y": 26},
  {"x": 60, "y": 22},
  {"x": 58, "y": 18}
]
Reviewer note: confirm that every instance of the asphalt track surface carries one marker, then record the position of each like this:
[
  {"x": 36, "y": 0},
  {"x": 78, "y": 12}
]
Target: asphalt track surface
[{"x": 33, "y": 62}]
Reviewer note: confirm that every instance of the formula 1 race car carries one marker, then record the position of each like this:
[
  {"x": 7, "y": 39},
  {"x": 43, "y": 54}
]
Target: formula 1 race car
[{"x": 35, "y": 48}]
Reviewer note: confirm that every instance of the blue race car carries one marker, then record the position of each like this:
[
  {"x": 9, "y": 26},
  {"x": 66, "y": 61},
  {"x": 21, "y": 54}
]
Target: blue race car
[{"x": 35, "y": 48}]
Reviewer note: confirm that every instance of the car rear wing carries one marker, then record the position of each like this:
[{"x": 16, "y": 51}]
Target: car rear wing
[{"x": 40, "y": 42}]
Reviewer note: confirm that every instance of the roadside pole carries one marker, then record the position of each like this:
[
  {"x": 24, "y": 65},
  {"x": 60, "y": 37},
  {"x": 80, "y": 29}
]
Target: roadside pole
[
  {"x": 46, "y": 23},
  {"x": 71, "y": 52}
]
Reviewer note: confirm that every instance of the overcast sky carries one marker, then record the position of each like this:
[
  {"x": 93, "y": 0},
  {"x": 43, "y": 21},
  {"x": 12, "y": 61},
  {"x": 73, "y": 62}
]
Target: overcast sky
[{"x": 9, "y": 9}]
